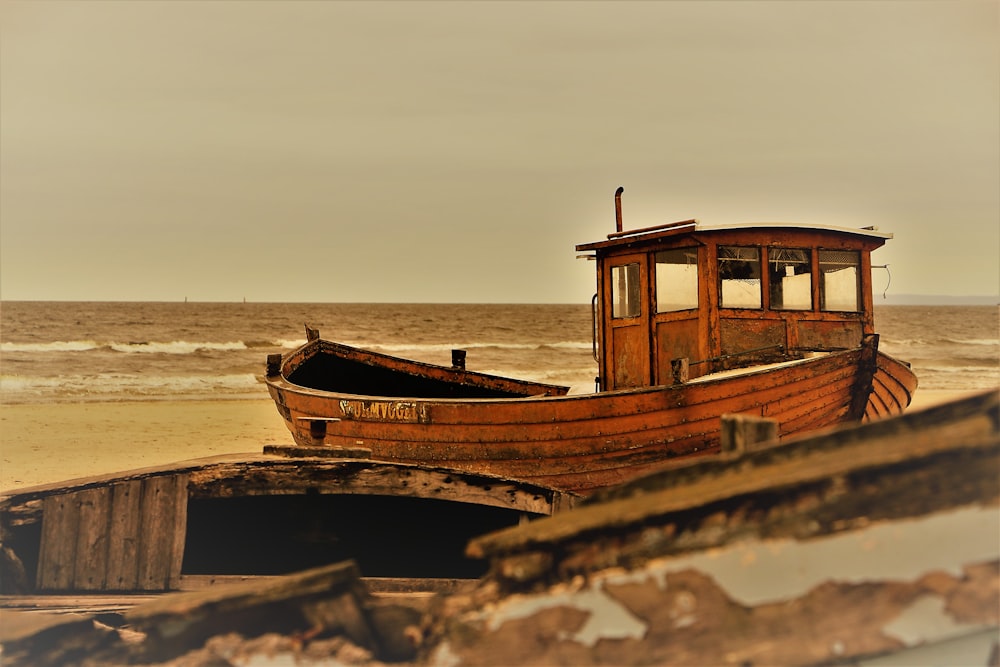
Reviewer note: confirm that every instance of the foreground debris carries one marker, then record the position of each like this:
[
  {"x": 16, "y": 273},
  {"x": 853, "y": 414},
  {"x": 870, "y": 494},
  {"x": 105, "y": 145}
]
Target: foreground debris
[
  {"x": 324, "y": 602},
  {"x": 834, "y": 548},
  {"x": 849, "y": 547}
]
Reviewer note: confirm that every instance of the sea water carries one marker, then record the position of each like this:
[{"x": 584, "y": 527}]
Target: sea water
[{"x": 58, "y": 352}]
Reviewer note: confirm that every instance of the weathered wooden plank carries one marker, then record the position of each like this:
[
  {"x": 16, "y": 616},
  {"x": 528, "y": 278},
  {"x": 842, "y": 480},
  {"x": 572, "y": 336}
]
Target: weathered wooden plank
[
  {"x": 180, "y": 500},
  {"x": 163, "y": 512},
  {"x": 90, "y": 571},
  {"x": 331, "y": 597},
  {"x": 73, "y": 603},
  {"x": 123, "y": 536},
  {"x": 57, "y": 552},
  {"x": 39, "y": 638},
  {"x": 742, "y": 433},
  {"x": 370, "y": 477}
]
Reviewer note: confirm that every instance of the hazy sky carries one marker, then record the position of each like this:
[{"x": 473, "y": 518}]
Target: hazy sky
[{"x": 457, "y": 151}]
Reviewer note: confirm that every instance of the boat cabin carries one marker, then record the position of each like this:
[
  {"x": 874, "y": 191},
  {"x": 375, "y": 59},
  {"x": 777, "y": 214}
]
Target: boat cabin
[{"x": 682, "y": 300}]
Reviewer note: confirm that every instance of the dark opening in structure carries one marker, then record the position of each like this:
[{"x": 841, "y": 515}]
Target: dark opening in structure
[{"x": 386, "y": 536}]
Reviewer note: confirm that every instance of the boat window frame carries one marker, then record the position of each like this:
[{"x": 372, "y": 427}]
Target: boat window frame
[
  {"x": 661, "y": 281},
  {"x": 632, "y": 290},
  {"x": 823, "y": 291},
  {"x": 755, "y": 263},
  {"x": 776, "y": 278}
]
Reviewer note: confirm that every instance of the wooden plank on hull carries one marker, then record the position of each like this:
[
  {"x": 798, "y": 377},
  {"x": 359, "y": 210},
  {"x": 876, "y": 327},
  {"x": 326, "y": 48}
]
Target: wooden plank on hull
[
  {"x": 90, "y": 571},
  {"x": 632, "y": 414},
  {"x": 161, "y": 546},
  {"x": 57, "y": 551},
  {"x": 893, "y": 394},
  {"x": 123, "y": 555}
]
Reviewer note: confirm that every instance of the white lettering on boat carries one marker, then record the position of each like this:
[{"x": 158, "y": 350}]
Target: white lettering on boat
[{"x": 399, "y": 411}]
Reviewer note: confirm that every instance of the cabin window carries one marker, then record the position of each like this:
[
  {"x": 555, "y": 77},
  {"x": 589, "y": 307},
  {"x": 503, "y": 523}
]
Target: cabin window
[
  {"x": 625, "y": 290},
  {"x": 739, "y": 277},
  {"x": 676, "y": 279},
  {"x": 838, "y": 279},
  {"x": 789, "y": 276}
]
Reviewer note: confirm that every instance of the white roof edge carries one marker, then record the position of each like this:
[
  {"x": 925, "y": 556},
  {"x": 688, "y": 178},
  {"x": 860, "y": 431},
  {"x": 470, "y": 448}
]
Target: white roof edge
[{"x": 797, "y": 225}]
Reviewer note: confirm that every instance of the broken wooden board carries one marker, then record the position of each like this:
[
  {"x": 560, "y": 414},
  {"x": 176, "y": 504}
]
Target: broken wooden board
[
  {"x": 28, "y": 639},
  {"x": 850, "y": 545},
  {"x": 322, "y": 602},
  {"x": 679, "y": 613}
]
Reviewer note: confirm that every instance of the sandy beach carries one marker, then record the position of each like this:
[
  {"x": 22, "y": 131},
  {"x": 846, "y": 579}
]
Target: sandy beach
[
  {"x": 51, "y": 443},
  {"x": 40, "y": 444}
]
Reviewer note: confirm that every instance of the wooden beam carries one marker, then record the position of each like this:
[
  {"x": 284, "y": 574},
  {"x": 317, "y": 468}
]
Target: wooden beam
[{"x": 744, "y": 433}]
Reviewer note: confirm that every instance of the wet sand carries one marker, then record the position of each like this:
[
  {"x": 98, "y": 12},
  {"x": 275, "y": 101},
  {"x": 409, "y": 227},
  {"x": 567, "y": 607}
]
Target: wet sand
[{"x": 40, "y": 444}]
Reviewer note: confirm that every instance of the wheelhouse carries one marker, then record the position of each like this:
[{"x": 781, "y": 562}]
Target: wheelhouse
[{"x": 683, "y": 300}]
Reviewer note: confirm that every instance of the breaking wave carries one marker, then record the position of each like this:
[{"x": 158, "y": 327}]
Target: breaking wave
[{"x": 121, "y": 387}]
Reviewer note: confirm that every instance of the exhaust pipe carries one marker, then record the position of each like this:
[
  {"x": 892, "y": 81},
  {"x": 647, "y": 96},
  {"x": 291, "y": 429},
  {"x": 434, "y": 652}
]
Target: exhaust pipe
[{"x": 618, "y": 208}]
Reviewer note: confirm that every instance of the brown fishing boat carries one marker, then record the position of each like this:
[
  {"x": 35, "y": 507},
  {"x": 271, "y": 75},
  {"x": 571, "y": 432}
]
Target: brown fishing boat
[{"x": 690, "y": 322}]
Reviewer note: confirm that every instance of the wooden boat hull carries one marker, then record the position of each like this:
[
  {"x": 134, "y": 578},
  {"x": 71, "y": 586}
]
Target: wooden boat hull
[
  {"x": 187, "y": 525},
  {"x": 586, "y": 442}
]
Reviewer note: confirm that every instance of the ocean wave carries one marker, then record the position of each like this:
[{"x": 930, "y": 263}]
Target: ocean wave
[
  {"x": 141, "y": 347},
  {"x": 936, "y": 342},
  {"x": 983, "y": 363},
  {"x": 440, "y": 347},
  {"x": 175, "y": 347},
  {"x": 561, "y": 376},
  {"x": 120, "y": 386},
  {"x": 260, "y": 344},
  {"x": 572, "y": 345},
  {"x": 181, "y": 347},
  {"x": 976, "y": 341},
  {"x": 986, "y": 371},
  {"x": 55, "y": 346},
  {"x": 446, "y": 347}
]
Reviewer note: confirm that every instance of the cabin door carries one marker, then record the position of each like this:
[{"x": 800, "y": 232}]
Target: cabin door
[{"x": 626, "y": 360}]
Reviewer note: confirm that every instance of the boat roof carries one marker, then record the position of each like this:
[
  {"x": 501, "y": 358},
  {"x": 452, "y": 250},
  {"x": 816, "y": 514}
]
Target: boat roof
[{"x": 695, "y": 226}]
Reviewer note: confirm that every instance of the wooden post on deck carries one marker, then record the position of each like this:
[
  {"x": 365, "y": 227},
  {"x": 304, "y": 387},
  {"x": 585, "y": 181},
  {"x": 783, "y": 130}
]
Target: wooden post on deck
[
  {"x": 745, "y": 433},
  {"x": 273, "y": 364},
  {"x": 680, "y": 369}
]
